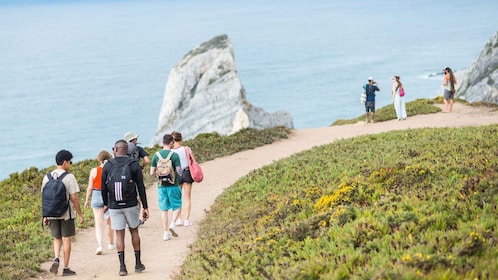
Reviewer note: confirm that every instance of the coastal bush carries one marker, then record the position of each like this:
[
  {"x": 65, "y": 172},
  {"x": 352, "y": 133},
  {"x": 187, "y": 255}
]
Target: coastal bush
[
  {"x": 413, "y": 204},
  {"x": 25, "y": 244}
]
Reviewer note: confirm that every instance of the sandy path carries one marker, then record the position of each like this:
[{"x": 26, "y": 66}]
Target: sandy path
[{"x": 164, "y": 258}]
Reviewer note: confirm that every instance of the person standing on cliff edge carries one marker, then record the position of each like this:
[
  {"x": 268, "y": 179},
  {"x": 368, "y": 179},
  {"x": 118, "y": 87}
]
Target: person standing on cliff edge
[
  {"x": 449, "y": 82},
  {"x": 370, "y": 90}
]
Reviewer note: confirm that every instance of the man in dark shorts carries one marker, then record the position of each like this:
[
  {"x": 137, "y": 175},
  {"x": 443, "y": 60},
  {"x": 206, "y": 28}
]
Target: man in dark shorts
[
  {"x": 63, "y": 228},
  {"x": 370, "y": 90}
]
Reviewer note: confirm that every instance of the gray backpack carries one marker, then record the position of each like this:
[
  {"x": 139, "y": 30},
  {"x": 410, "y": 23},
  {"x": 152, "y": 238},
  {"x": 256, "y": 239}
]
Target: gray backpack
[{"x": 133, "y": 151}]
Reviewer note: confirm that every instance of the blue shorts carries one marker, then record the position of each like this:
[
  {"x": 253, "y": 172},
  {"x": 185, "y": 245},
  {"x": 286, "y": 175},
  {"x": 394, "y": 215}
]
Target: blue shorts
[
  {"x": 170, "y": 198},
  {"x": 448, "y": 94},
  {"x": 97, "y": 201}
]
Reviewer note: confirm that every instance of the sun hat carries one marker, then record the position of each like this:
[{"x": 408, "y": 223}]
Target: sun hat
[
  {"x": 130, "y": 136},
  {"x": 370, "y": 78}
]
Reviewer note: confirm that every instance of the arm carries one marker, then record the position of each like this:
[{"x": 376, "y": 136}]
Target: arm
[
  {"x": 141, "y": 191},
  {"x": 89, "y": 189},
  {"x": 146, "y": 162},
  {"x": 76, "y": 203},
  {"x": 395, "y": 87}
]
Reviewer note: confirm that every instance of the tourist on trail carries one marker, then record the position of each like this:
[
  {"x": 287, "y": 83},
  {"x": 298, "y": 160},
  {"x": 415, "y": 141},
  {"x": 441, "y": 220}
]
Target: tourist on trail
[
  {"x": 168, "y": 192},
  {"x": 94, "y": 189},
  {"x": 121, "y": 179},
  {"x": 370, "y": 90},
  {"x": 399, "y": 98},
  {"x": 185, "y": 180},
  {"x": 138, "y": 153},
  {"x": 62, "y": 227},
  {"x": 449, "y": 82}
]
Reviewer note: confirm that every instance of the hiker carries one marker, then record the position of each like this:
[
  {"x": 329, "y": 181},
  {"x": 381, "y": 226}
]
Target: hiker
[
  {"x": 449, "y": 82},
  {"x": 121, "y": 179},
  {"x": 62, "y": 227},
  {"x": 95, "y": 190},
  {"x": 185, "y": 180},
  {"x": 398, "y": 93},
  {"x": 168, "y": 192},
  {"x": 138, "y": 153},
  {"x": 370, "y": 90}
]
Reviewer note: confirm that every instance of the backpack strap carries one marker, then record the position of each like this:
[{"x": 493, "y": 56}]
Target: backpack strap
[
  {"x": 159, "y": 155},
  {"x": 170, "y": 154}
]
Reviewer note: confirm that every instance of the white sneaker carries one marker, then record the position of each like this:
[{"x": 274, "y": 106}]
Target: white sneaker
[
  {"x": 111, "y": 246},
  {"x": 166, "y": 236},
  {"x": 172, "y": 230},
  {"x": 178, "y": 222},
  {"x": 98, "y": 251},
  {"x": 187, "y": 223}
]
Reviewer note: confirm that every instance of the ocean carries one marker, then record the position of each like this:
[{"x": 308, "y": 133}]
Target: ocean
[{"x": 77, "y": 75}]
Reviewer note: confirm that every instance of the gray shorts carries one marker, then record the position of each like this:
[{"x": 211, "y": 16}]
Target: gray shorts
[
  {"x": 123, "y": 216},
  {"x": 448, "y": 94},
  {"x": 62, "y": 228},
  {"x": 370, "y": 106}
]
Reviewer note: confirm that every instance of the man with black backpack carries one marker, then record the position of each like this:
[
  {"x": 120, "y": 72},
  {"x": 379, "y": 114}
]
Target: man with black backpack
[
  {"x": 121, "y": 179},
  {"x": 59, "y": 206}
]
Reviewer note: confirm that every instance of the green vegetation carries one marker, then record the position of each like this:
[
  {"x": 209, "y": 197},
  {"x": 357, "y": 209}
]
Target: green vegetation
[
  {"x": 25, "y": 243},
  {"x": 413, "y": 204},
  {"x": 416, "y": 107}
]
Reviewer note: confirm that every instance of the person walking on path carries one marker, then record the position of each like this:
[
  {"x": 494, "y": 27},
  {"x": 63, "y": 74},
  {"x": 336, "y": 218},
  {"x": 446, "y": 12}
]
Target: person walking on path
[
  {"x": 185, "y": 180},
  {"x": 94, "y": 190},
  {"x": 399, "y": 98},
  {"x": 169, "y": 193},
  {"x": 138, "y": 153},
  {"x": 370, "y": 90},
  {"x": 121, "y": 178},
  {"x": 449, "y": 82},
  {"x": 63, "y": 228}
]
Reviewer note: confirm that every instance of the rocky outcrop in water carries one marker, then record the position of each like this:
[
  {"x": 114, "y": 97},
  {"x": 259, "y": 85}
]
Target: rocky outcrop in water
[
  {"x": 204, "y": 94},
  {"x": 479, "y": 82}
]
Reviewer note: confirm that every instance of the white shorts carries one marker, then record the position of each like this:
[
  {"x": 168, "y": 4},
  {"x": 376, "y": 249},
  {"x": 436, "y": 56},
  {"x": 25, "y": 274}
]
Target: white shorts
[{"x": 123, "y": 216}]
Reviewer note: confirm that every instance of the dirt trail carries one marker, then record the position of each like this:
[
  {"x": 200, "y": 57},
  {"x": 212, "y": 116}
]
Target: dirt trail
[{"x": 163, "y": 259}]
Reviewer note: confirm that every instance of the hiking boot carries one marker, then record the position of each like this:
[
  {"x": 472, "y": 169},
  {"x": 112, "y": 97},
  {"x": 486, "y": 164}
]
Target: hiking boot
[
  {"x": 172, "y": 230},
  {"x": 139, "y": 267},
  {"x": 98, "y": 251},
  {"x": 123, "y": 271},
  {"x": 68, "y": 272},
  {"x": 166, "y": 236},
  {"x": 55, "y": 266}
]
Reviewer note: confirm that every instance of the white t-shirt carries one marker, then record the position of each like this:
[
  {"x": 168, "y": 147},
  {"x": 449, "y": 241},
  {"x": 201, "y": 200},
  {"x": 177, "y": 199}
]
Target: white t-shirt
[{"x": 183, "y": 157}]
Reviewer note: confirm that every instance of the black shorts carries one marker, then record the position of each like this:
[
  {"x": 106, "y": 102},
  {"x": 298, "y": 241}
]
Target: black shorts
[
  {"x": 62, "y": 228},
  {"x": 370, "y": 106},
  {"x": 186, "y": 177}
]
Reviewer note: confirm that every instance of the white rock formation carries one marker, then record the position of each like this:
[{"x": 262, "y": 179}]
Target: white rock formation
[
  {"x": 479, "y": 82},
  {"x": 204, "y": 94}
]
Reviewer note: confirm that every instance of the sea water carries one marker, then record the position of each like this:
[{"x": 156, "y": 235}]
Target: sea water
[{"x": 77, "y": 75}]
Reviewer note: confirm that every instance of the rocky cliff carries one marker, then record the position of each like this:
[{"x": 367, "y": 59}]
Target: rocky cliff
[
  {"x": 204, "y": 94},
  {"x": 479, "y": 82}
]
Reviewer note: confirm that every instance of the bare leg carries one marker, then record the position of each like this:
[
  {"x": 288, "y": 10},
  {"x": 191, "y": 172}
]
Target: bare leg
[
  {"x": 120, "y": 235},
  {"x": 445, "y": 105},
  {"x": 451, "y": 105},
  {"x": 135, "y": 239},
  {"x": 66, "y": 242},
  {"x": 110, "y": 232},
  {"x": 186, "y": 201},
  {"x": 57, "y": 247},
  {"x": 164, "y": 219},
  {"x": 98, "y": 214}
]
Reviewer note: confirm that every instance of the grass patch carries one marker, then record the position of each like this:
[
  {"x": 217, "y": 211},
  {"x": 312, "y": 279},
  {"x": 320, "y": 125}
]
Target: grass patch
[
  {"x": 411, "y": 204},
  {"x": 25, "y": 244}
]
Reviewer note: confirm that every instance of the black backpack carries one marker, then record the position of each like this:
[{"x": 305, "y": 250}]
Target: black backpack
[
  {"x": 121, "y": 186},
  {"x": 54, "y": 199},
  {"x": 133, "y": 151}
]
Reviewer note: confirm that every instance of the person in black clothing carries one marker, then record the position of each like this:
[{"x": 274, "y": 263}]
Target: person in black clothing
[{"x": 120, "y": 197}]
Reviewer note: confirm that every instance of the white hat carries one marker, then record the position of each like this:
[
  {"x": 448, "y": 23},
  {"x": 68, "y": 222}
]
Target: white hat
[
  {"x": 370, "y": 78},
  {"x": 130, "y": 136}
]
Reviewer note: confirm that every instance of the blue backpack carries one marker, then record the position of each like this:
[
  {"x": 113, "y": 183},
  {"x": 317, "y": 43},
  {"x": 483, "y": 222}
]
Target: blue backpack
[{"x": 54, "y": 199}]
